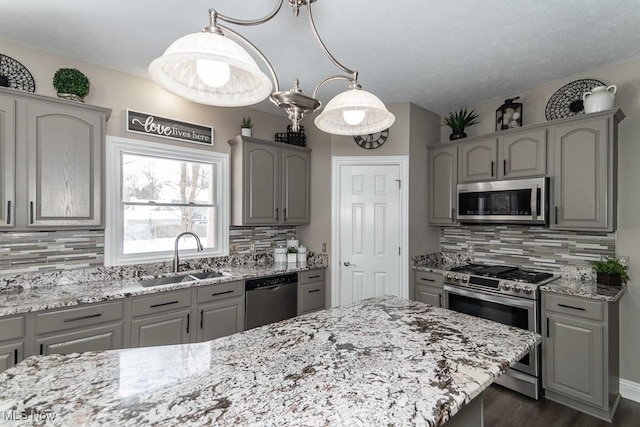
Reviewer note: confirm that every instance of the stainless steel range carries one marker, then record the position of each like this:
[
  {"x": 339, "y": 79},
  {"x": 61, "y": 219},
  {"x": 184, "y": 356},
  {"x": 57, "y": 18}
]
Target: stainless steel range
[{"x": 507, "y": 295}]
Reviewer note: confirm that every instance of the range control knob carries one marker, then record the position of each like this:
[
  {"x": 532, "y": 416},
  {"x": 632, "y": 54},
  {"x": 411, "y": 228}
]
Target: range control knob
[
  {"x": 456, "y": 277},
  {"x": 449, "y": 276},
  {"x": 506, "y": 286},
  {"x": 527, "y": 290},
  {"x": 465, "y": 279},
  {"x": 516, "y": 288}
]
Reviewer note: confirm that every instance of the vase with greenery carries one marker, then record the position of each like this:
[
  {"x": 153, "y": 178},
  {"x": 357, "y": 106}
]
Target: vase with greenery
[
  {"x": 292, "y": 254},
  {"x": 246, "y": 126},
  {"x": 458, "y": 121},
  {"x": 610, "y": 271},
  {"x": 70, "y": 83}
]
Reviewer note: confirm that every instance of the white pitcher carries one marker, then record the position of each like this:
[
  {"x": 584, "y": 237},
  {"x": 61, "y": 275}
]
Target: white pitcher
[{"x": 600, "y": 98}]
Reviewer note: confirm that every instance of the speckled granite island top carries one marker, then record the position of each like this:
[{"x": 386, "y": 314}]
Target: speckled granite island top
[
  {"x": 67, "y": 293},
  {"x": 384, "y": 361}
]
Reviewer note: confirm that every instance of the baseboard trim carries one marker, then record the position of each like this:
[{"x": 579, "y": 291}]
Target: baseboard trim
[{"x": 630, "y": 390}]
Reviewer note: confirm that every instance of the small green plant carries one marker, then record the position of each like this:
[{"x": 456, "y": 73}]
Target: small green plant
[
  {"x": 71, "y": 81},
  {"x": 292, "y": 250},
  {"x": 611, "y": 266},
  {"x": 461, "y": 119},
  {"x": 246, "y": 123}
]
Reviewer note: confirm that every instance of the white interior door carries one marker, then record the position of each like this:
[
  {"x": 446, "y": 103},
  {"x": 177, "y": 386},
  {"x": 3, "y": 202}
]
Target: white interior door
[{"x": 370, "y": 225}]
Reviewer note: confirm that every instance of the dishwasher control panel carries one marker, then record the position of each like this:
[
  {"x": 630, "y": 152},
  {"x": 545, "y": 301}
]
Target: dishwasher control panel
[{"x": 264, "y": 282}]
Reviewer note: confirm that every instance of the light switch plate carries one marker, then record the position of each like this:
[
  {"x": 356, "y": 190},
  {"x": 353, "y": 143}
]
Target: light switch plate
[
  {"x": 624, "y": 260},
  {"x": 234, "y": 248}
]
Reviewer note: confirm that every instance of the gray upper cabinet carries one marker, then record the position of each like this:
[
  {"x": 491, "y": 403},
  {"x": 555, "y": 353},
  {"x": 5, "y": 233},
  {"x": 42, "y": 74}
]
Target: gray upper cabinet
[
  {"x": 55, "y": 148},
  {"x": 442, "y": 180},
  {"x": 584, "y": 173},
  {"x": 270, "y": 183},
  {"x": 7, "y": 160},
  {"x": 522, "y": 154},
  {"x": 478, "y": 160}
]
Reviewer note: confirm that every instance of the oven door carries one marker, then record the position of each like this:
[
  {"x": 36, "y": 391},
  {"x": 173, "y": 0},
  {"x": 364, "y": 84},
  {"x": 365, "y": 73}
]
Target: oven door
[{"x": 513, "y": 311}]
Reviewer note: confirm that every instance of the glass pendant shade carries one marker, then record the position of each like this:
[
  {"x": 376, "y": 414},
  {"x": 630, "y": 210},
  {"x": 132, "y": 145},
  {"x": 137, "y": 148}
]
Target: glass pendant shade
[
  {"x": 178, "y": 71},
  {"x": 343, "y": 114}
]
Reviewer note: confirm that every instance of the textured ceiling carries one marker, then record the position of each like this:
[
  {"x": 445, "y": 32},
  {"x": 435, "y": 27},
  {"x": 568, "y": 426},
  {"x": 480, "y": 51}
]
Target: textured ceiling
[{"x": 436, "y": 54}]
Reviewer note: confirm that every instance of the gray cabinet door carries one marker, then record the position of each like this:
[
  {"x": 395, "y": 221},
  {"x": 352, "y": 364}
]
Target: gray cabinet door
[
  {"x": 99, "y": 338},
  {"x": 7, "y": 161},
  {"x": 261, "y": 170},
  {"x": 582, "y": 176},
  {"x": 478, "y": 160},
  {"x": 443, "y": 178},
  {"x": 311, "y": 297},
  {"x": 64, "y": 164},
  {"x": 164, "y": 329},
  {"x": 221, "y": 318},
  {"x": 10, "y": 355},
  {"x": 574, "y": 360},
  {"x": 295, "y": 187},
  {"x": 428, "y": 294},
  {"x": 523, "y": 154}
]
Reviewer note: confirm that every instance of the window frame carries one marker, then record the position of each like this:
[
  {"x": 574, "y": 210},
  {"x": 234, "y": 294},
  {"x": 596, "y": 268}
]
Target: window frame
[{"x": 114, "y": 222}]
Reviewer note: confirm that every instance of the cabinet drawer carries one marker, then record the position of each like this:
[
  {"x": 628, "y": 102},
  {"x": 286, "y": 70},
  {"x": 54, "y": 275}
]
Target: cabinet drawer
[
  {"x": 312, "y": 296},
  {"x": 78, "y": 317},
  {"x": 220, "y": 291},
  {"x": 311, "y": 276},
  {"x": 161, "y": 302},
  {"x": 428, "y": 278},
  {"x": 12, "y": 328},
  {"x": 577, "y": 307}
]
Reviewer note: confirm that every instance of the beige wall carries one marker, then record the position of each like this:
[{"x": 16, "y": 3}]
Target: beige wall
[
  {"x": 119, "y": 91},
  {"x": 627, "y": 77}
]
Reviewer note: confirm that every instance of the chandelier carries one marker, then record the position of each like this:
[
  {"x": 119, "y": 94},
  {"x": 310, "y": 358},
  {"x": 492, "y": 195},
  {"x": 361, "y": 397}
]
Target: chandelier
[{"x": 210, "y": 68}]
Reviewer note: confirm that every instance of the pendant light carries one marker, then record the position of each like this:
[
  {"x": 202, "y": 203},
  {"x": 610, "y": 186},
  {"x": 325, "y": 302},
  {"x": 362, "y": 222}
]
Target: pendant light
[{"x": 212, "y": 68}]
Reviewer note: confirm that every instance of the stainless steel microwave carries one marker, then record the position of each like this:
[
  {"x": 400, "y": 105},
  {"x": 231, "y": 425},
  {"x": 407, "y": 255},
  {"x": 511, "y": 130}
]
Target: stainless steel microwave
[{"x": 516, "y": 201}]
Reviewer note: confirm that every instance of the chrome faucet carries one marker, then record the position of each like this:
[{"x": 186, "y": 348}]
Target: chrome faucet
[{"x": 176, "y": 260}]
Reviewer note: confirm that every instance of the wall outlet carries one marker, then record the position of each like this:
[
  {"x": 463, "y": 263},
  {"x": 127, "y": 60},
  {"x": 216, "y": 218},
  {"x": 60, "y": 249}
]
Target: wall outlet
[
  {"x": 324, "y": 247},
  {"x": 252, "y": 247},
  {"x": 234, "y": 248},
  {"x": 624, "y": 260}
]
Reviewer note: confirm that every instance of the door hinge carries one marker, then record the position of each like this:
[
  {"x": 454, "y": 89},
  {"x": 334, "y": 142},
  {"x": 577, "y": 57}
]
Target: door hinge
[{"x": 399, "y": 183}]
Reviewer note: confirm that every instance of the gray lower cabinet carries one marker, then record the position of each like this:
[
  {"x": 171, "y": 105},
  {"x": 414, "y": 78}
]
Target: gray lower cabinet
[
  {"x": 270, "y": 183},
  {"x": 584, "y": 172},
  {"x": 91, "y": 327},
  {"x": 311, "y": 291},
  {"x": 161, "y": 319},
  {"x": 12, "y": 332},
  {"x": 580, "y": 353},
  {"x": 442, "y": 180},
  {"x": 428, "y": 288},
  {"x": 220, "y": 310}
]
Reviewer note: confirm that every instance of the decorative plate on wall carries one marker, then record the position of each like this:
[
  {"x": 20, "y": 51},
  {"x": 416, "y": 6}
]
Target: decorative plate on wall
[
  {"x": 567, "y": 101},
  {"x": 14, "y": 75}
]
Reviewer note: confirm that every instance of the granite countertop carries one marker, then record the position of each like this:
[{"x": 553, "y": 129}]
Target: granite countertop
[
  {"x": 66, "y": 293},
  {"x": 383, "y": 361},
  {"x": 585, "y": 288}
]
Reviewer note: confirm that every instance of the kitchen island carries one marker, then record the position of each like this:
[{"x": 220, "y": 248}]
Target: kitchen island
[{"x": 383, "y": 361}]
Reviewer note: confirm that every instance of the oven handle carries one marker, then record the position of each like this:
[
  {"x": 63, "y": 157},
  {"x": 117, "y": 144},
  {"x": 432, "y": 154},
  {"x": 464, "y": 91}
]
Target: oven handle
[
  {"x": 477, "y": 294},
  {"x": 534, "y": 204}
]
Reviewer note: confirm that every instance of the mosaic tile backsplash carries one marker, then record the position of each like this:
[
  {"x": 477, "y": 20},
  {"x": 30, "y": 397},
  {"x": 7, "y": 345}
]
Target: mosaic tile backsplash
[
  {"x": 25, "y": 252},
  {"x": 529, "y": 247}
]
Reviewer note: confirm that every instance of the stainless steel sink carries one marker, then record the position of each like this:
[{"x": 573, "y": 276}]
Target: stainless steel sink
[{"x": 190, "y": 277}]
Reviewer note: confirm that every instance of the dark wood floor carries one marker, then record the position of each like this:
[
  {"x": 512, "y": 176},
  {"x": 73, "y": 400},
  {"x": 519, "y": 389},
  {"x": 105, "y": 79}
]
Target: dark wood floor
[{"x": 506, "y": 408}]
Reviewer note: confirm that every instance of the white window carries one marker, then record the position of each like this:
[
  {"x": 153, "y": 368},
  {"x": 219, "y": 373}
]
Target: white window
[{"x": 155, "y": 192}]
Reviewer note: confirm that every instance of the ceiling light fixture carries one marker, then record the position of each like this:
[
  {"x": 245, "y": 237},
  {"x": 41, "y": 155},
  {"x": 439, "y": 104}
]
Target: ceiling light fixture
[{"x": 210, "y": 68}]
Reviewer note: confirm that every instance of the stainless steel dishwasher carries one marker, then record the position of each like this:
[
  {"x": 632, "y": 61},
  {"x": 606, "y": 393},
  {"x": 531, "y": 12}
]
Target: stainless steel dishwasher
[{"x": 270, "y": 299}]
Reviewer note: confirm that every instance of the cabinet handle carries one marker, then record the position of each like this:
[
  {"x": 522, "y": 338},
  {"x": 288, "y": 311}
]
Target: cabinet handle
[
  {"x": 276, "y": 214},
  {"x": 89, "y": 316},
  {"x": 314, "y": 290},
  {"x": 9, "y": 212},
  {"x": 30, "y": 212},
  {"x": 188, "y": 319},
  {"x": 547, "y": 327},
  {"x": 453, "y": 215},
  {"x": 41, "y": 349},
  {"x": 201, "y": 318},
  {"x": 163, "y": 304},
  {"x": 221, "y": 293},
  {"x": 284, "y": 211},
  {"x": 504, "y": 166},
  {"x": 427, "y": 280},
  {"x": 439, "y": 300},
  {"x": 571, "y": 307},
  {"x": 314, "y": 277},
  {"x": 556, "y": 214},
  {"x": 15, "y": 356},
  {"x": 493, "y": 164}
]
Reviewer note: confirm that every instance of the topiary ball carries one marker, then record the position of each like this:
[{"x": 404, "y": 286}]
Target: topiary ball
[{"x": 71, "y": 81}]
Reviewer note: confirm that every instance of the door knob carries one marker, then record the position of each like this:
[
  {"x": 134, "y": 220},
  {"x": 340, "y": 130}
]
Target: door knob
[{"x": 348, "y": 264}]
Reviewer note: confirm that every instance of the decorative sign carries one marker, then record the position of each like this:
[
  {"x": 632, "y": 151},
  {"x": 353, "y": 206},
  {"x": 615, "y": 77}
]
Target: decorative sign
[{"x": 150, "y": 124}]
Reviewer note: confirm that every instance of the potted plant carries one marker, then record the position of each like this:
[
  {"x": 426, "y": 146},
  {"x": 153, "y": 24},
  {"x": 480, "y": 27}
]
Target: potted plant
[
  {"x": 292, "y": 254},
  {"x": 458, "y": 121},
  {"x": 610, "y": 271},
  {"x": 246, "y": 126},
  {"x": 71, "y": 83}
]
